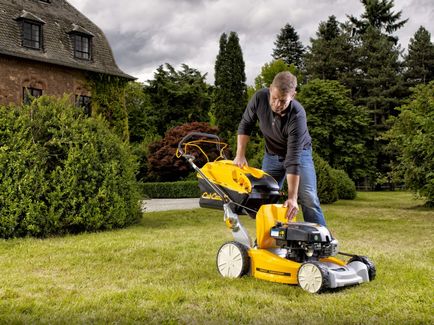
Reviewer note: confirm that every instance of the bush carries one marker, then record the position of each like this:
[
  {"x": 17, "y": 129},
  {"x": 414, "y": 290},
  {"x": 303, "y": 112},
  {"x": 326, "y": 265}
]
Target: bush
[
  {"x": 327, "y": 187},
  {"x": 62, "y": 172},
  {"x": 181, "y": 189},
  {"x": 163, "y": 165},
  {"x": 345, "y": 186}
]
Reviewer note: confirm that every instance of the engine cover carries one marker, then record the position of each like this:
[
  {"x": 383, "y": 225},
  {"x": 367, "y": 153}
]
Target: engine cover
[
  {"x": 304, "y": 241},
  {"x": 301, "y": 231}
]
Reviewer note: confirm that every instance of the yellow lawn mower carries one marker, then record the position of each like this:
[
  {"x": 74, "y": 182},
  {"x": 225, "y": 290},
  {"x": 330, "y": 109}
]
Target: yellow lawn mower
[{"x": 293, "y": 252}]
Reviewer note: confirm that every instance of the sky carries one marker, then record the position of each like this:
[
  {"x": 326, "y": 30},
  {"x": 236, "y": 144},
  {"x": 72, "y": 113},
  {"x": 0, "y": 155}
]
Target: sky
[{"x": 145, "y": 34}]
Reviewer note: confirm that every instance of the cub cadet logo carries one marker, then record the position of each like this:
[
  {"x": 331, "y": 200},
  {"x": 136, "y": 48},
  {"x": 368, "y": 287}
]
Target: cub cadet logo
[{"x": 211, "y": 196}]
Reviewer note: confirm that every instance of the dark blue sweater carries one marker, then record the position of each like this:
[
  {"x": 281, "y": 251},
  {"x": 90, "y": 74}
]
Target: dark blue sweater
[{"x": 285, "y": 136}]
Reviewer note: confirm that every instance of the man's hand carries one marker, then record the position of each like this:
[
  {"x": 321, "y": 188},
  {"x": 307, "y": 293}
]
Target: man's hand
[
  {"x": 292, "y": 206},
  {"x": 291, "y": 203},
  {"x": 240, "y": 158},
  {"x": 240, "y": 161}
]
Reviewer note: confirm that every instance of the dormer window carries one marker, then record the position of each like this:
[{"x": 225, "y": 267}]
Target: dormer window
[
  {"x": 31, "y": 30},
  {"x": 81, "y": 42},
  {"x": 32, "y": 35},
  {"x": 82, "y": 46}
]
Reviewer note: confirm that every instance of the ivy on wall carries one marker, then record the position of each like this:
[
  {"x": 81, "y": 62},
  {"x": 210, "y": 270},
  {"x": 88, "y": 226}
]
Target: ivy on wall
[{"x": 108, "y": 100}]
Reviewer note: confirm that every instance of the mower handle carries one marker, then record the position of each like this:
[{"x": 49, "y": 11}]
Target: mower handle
[{"x": 193, "y": 134}]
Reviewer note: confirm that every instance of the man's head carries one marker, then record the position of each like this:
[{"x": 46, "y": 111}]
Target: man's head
[{"x": 282, "y": 91}]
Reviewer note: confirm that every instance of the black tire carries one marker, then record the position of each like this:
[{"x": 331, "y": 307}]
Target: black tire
[
  {"x": 372, "y": 271},
  {"x": 232, "y": 260},
  {"x": 313, "y": 277}
]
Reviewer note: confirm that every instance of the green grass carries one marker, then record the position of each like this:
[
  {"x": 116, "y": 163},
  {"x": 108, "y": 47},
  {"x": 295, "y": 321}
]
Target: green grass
[{"x": 163, "y": 272}]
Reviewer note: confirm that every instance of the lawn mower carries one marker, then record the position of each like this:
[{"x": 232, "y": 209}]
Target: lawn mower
[{"x": 292, "y": 252}]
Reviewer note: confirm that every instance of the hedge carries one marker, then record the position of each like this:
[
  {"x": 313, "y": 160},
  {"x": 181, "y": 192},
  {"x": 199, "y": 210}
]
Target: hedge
[{"x": 62, "y": 172}]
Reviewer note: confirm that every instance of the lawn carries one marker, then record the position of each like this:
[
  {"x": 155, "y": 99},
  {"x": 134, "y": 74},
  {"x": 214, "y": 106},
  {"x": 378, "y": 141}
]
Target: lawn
[{"x": 162, "y": 271}]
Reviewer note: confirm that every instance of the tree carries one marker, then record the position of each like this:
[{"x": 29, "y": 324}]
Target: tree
[
  {"x": 177, "y": 97},
  {"x": 378, "y": 15},
  {"x": 139, "y": 108},
  {"x": 380, "y": 90},
  {"x": 269, "y": 71},
  {"x": 419, "y": 62},
  {"x": 230, "y": 93},
  {"x": 288, "y": 47},
  {"x": 379, "y": 83},
  {"x": 338, "y": 128},
  {"x": 412, "y": 136},
  {"x": 332, "y": 54}
]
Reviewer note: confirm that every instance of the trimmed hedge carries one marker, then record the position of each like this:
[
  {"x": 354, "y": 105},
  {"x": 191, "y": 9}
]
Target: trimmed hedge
[
  {"x": 181, "y": 189},
  {"x": 62, "y": 172},
  {"x": 345, "y": 186},
  {"x": 326, "y": 184}
]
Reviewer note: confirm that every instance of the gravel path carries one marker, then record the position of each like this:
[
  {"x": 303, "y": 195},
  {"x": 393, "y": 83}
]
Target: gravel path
[{"x": 169, "y": 204}]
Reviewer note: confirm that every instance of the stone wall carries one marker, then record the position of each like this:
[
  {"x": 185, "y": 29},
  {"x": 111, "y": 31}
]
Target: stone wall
[{"x": 16, "y": 74}]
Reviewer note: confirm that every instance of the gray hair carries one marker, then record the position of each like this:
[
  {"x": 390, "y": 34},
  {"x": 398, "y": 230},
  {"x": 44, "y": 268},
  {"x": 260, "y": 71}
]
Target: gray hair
[{"x": 285, "y": 82}]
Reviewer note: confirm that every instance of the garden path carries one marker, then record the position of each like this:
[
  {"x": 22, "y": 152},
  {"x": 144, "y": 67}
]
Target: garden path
[{"x": 169, "y": 204}]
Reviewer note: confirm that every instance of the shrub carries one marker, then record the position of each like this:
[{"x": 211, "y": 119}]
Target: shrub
[
  {"x": 181, "y": 189},
  {"x": 327, "y": 188},
  {"x": 345, "y": 186},
  {"x": 163, "y": 165},
  {"x": 62, "y": 172}
]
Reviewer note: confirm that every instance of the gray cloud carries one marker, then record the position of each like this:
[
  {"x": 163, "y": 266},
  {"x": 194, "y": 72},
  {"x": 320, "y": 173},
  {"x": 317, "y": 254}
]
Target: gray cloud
[{"x": 147, "y": 33}]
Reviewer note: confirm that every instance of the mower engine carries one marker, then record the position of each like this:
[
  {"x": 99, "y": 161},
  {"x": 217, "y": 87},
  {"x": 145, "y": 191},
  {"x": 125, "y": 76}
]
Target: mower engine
[{"x": 304, "y": 241}]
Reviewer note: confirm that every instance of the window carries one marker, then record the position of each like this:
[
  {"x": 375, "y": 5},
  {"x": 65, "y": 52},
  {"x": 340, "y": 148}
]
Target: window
[
  {"x": 82, "y": 46},
  {"x": 84, "y": 101},
  {"x": 30, "y": 93},
  {"x": 32, "y": 35}
]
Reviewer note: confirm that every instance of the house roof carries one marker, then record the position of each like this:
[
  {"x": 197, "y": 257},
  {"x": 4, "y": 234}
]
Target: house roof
[{"x": 58, "y": 19}]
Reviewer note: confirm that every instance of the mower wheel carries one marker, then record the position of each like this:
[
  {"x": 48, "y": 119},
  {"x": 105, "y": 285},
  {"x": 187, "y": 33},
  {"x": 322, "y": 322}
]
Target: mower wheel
[
  {"x": 369, "y": 264},
  {"x": 233, "y": 260},
  {"x": 313, "y": 277}
]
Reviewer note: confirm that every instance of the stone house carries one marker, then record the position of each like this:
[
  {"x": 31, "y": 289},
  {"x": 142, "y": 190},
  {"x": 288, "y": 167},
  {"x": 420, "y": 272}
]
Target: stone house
[{"x": 47, "y": 47}]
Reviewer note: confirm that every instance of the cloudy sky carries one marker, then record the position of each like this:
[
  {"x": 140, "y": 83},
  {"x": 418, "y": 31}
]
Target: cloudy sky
[{"x": 147, "y": 33}]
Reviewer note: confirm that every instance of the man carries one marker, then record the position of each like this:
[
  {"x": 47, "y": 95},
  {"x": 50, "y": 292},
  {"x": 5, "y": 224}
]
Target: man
[{"x": 288, "y": 149}]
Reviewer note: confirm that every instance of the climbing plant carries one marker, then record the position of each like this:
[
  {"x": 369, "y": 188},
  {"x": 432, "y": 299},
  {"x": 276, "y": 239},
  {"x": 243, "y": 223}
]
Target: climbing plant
[{"x": 108, "y": 101}]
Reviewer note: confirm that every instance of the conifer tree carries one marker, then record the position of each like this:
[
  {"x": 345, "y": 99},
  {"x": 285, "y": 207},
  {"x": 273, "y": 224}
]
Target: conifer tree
[
  {"x": 378, "y": 15},
  {"x": 419, "y": 62},
  {"x": 380, "y": 85},
  {"x": 288, "y": 47},
  {"x": 230, "y": 93},
  {"x": 380, "y": 90},
  {"x": 331, "y": 54}
]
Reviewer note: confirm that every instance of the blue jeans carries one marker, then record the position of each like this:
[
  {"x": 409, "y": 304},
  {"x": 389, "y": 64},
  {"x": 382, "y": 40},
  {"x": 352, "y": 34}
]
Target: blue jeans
[{"x": 307, "y": 190}]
